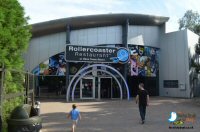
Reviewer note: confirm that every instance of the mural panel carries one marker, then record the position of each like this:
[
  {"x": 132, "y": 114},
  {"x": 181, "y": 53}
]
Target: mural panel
[{"x": 144, "y": 61}]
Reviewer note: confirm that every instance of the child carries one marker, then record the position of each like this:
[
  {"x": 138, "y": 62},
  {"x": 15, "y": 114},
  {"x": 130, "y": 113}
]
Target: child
[{"x": 74, "y": 114}]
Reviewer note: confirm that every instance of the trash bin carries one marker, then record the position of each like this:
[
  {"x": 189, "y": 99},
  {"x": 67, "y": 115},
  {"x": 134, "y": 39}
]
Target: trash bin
[
  {"x": 37, "y": 108},
  {"x": 0, "y": 124},
  {"x": 24, "y": 119}
]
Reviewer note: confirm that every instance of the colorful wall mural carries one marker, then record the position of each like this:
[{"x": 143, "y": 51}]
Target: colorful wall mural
[
  {"x": 56, "y": 65},
  {"x": 144, "y": 61}
]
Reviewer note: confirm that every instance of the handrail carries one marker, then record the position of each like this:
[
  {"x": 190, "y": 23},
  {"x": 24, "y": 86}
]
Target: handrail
[
  {"x": 13, "y": 95},
  {"x": 16, "y": 70}
]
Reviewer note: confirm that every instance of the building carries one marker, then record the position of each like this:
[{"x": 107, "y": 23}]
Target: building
[{"x": 162, "y": 61}]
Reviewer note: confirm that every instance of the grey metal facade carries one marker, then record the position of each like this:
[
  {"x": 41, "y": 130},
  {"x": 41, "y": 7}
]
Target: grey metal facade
[
  {"x": 43, "y": 47},
  {"x": 49, "y": 38},
  {"x": 174, "y": 62}
]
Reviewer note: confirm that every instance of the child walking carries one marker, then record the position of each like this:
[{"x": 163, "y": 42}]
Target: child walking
[{"x": 75, "y": 115}]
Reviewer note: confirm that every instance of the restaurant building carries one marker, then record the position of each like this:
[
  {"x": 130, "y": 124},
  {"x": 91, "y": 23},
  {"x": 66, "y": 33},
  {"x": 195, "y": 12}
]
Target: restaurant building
[{"x": 160, "y": 60}]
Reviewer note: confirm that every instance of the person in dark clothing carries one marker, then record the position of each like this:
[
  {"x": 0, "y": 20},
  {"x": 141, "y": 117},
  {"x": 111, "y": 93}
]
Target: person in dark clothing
[{"x": 142, "y": 99}]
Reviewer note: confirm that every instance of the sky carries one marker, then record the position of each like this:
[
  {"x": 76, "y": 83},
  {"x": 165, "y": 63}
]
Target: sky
[{"x": 45, "y": 10}]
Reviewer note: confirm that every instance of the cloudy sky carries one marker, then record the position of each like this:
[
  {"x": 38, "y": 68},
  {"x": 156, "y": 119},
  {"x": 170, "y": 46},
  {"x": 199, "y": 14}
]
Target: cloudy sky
[{"x": 45, "y": 10}]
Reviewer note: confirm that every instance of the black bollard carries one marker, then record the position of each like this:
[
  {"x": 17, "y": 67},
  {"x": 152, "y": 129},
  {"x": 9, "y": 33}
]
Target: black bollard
[
  {"x": 0, "y": 124},
  {"x": 37, "y": 107}
]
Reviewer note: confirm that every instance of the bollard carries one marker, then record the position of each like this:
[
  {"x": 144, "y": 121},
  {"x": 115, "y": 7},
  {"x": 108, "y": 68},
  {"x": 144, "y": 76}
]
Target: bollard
[
  {"x": 0, "y": 124},
  {"x": 37, "y": 107}
]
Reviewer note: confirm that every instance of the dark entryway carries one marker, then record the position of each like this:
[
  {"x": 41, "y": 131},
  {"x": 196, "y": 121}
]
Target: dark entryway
[
  {"x": 105, "y": 87},
  {"x": 108, "y": 88},
  {"x": 150, "y": 84},
  {"x": 51, "y": 86}
]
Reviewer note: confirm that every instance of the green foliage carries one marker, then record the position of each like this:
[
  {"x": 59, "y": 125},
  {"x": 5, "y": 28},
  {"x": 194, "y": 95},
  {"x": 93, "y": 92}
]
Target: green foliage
[
  {"x": 14, "y": 38},
  {"x": 197, "y": 29},
  {"x": 197, "y": 51},
  {"x": 196, "y": 65},
  {"x": 190, "y": 20},
  {"x": 14, "y": 82},
  {"x": 14, "y": 34},
  {"x": 197, "y": 48}
]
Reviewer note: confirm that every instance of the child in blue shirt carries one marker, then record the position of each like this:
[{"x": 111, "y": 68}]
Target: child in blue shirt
[{"x": 75, "y": 115}]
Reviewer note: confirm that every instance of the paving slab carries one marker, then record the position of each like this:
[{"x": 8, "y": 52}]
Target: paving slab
[{"x": 117, "y": 115}]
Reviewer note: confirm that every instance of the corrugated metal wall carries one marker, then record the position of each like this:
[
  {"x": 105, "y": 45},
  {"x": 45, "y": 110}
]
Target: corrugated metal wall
[
  {"x": 41, "y": 48},
  {"x": 144, "y": 35},
  {"x": 99, "y": 35},
  {"x": 174, "y": 63}
]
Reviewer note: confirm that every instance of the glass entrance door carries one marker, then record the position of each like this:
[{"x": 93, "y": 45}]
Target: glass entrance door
[
  {"x": 105, "y": 87},
  {"x": 87, "y": 90}
]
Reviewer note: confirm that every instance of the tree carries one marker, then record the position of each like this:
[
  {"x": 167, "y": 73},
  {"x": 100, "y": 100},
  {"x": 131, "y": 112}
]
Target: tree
[
  {"x": 190, "y": 20},
  {"x": 197, "y": 48},
  {"x": 197, "y": 51},
  {"x": 197, "y": 29},
  {"x": 14, "y": 34},
  {"x": 14, "y": 39}
]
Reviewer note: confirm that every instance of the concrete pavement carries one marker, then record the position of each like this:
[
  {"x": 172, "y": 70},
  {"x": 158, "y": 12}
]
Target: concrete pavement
[{"x": 117, "y": 116}]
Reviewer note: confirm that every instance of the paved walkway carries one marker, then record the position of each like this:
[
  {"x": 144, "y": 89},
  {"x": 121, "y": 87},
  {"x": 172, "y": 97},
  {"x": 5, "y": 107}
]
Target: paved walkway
[
  {"x": 197, "y": 100},
  {"x": 117, "y": 116}
]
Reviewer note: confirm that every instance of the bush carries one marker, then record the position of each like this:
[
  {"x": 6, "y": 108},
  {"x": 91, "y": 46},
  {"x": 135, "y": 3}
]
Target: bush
[{"x": 14, "y": 38}]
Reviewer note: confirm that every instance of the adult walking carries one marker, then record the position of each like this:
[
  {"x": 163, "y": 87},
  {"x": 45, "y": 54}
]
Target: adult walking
[{"x": 142, "y": 99}]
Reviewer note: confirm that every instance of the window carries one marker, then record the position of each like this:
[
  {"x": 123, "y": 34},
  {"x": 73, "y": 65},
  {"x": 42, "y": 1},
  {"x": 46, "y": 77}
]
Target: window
[{"x": 170, "y": 84}]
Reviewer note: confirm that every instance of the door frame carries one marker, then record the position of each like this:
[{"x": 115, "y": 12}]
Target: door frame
[
  {"x": 93, "y": 88},
  {"x": 99, "y": 87}
]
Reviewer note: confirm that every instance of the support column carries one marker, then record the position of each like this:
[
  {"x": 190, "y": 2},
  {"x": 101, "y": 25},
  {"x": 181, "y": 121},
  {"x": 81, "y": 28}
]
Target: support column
[
  {"x": 125, "y": 29},
  {"x": 2, "y": 73},
  {"x": 67, "y": 34},
  {"x": 67, "y": 63}
]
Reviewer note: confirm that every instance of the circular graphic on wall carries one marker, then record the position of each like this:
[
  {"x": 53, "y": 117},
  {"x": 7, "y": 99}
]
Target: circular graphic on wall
[{"x": 123, "y": 55}]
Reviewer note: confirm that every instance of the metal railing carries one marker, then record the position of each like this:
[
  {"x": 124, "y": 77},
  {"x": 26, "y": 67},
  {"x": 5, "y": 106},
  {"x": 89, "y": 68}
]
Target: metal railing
[{"x": 21, "y": 85}]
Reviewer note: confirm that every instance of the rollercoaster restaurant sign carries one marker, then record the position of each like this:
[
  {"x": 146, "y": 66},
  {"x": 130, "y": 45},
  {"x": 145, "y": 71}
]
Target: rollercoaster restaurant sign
[{"x": 76, "y": 53}]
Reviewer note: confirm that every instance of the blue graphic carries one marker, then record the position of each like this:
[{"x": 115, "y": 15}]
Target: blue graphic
[
  {"x": 36, "y": 71},
  {"x": 122, "y": 56},
  {"x": 115, "y": 59},
  {"x": 173, "y": 117}
]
